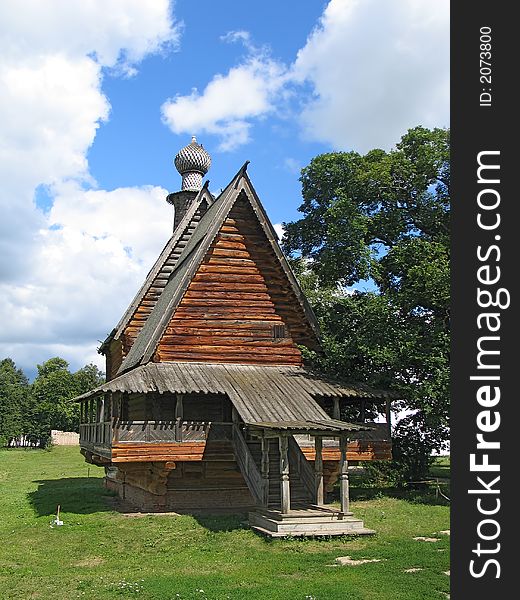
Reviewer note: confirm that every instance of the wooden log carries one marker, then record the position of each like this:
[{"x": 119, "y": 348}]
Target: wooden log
[
  {"x": 246, "y": 359},
  {"x": 318, "y": 470},
  {"x": 234, "y": 340},
  {"x": 344, "y": 495}
]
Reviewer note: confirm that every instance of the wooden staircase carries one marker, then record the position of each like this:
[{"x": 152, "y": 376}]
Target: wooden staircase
[
  {"x": 307, "y": 521},
  {"x": 304, "y": 517},
  {"x": 300, "y": 495}
]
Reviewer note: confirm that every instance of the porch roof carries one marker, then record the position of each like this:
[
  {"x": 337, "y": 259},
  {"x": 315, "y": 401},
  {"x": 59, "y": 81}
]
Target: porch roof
[{"x": 268, "y": 396}]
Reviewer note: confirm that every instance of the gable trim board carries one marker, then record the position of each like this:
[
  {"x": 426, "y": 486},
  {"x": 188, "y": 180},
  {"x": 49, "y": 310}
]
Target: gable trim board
[{"x": 198, "y": 245}]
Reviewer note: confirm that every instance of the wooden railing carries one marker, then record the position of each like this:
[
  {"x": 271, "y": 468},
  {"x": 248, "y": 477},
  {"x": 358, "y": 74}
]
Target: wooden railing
[
  {"x": 153, "y": 432},
  {"x": 177, "y": 430},
  {"x": 303, "y": 467},
  {"x": 250, "y": 471},
  {"x": 96, "y": 433}
]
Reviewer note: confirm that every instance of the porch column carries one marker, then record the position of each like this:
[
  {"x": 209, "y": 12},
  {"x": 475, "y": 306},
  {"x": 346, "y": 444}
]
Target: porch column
[
  {"x": 285, "y": 490},
  {"x": 178, "y": 416},
  {"x": 265, "y": 470},
  {"x": 343, "y": 476},
  {"x": 336, "y": 413},
  {"x": 318, "y": 470}
]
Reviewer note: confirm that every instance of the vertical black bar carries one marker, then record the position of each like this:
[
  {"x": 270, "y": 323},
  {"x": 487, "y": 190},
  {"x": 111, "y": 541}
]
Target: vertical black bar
[{"x": 485, "y": 250}]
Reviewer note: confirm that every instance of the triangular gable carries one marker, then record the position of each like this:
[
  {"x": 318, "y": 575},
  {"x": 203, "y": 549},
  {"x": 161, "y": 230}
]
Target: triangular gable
[
  {"x": 197, "y": 248},
  {"x": 141, "y": 306}
]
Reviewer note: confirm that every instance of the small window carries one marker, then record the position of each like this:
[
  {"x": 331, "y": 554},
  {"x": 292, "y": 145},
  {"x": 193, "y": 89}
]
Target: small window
[{"x": 279, "y": 332}]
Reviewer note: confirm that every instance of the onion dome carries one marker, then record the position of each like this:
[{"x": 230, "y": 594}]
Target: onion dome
[{"x": 192, "y": 162}]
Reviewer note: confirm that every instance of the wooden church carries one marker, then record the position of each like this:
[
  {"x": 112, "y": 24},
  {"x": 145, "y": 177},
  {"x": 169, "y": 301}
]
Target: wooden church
[{"x": 207, "y": 404}]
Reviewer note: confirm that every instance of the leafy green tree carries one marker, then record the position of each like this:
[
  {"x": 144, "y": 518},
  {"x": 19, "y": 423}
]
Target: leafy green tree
[
  {"x": 52, "y": 391},
  {"x": 14, "y": 397},
  {"x": 87, "y": 378},
  {"x": 383, "y": 217}
]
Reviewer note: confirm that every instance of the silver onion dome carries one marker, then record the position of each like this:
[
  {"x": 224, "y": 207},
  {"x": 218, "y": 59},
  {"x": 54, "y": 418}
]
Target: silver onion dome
[{"x": 192, "y": 162}]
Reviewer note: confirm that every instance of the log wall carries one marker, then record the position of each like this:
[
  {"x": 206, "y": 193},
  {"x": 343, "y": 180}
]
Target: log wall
[{"x": 234, "y": 301}]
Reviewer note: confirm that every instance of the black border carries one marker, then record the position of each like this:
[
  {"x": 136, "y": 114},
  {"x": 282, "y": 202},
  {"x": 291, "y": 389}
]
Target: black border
[{"x": 475, "y": 129}]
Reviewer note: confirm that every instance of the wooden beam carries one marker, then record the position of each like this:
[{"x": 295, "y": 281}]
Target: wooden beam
[
  {"x": 343, "y": 476},
  {"x": 318, "y": 470},
  {"x": 179, "y": 410},
  {"x": 265, "y": 470},
  {"x": 336, "y": 414},
  {"x": 285, "y": 490}
]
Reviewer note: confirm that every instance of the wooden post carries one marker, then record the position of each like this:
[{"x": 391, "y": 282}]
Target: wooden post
[
  {"x": 178, "y": 416},
  {"x": 336, "y": 413},
  {"x": 363, "y": 416},
  {"x": 343, "y": 476},
  {"x": 318, "y": 470},
  {"x": 265, "y": 470},
  {"x": 388, "y": 418},
  {"x": 101, "y": 437},
  {"x": 285, "y": 490}
]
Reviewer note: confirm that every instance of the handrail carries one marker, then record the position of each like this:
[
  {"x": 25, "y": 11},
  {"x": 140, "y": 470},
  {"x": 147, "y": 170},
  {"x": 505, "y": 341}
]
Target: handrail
[
  {"x": 154, "y": 431},
  {"x": 249, "y": 468}
]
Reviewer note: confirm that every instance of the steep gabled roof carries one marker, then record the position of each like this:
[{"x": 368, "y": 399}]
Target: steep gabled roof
[
  {"x": 240, "y": 187},
  {"x": 159, "y": 274}
]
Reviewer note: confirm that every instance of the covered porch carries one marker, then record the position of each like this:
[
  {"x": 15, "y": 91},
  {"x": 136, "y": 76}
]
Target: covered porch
[
  {"x": 269, "y": 425},
  {"x": 288, "y": 516}
]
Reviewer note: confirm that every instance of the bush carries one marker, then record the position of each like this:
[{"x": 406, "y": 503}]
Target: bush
[{"x": 412, "y": 445}]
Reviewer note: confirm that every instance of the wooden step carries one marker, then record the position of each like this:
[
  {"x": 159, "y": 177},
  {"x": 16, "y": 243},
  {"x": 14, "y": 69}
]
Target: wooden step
[{"x": 306, "y": 523}]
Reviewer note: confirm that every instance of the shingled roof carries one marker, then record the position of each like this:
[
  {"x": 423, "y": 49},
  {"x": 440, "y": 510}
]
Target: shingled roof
[
  {"x": 265, "y": 396},
  {"x": 240, "y": 187},
  {"x": 160, "y": 273}
]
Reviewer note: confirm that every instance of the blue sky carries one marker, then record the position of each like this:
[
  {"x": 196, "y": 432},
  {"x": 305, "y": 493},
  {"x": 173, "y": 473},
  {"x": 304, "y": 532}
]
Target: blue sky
[{"x": 98, "y": 97}]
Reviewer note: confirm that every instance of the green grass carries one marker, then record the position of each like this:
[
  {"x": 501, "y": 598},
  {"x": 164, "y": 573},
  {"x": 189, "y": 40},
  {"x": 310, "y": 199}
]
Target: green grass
[{"x": 99, "y": 553}]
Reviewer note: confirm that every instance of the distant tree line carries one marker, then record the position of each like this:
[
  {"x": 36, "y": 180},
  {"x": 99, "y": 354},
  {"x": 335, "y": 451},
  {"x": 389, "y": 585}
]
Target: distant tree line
[{"x": 28, "y": 411}]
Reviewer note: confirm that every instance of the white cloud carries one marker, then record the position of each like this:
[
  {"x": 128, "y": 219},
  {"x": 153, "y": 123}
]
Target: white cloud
[
  {"x": 54, "y": 280},
  {"x": 279, "y": 228},
  {"x": 94, "y": 253},
  {"x": 230, "y": 102},
  {"x": 370, "y": 70},
  {"x": 292, "y": 165},
  {"x": 378, "y": 67},
  {"x": 112, "y": 31}
]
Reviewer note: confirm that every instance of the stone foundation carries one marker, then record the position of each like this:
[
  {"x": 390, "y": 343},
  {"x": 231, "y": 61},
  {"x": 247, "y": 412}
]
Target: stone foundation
[{"x": 152, "y": 487}]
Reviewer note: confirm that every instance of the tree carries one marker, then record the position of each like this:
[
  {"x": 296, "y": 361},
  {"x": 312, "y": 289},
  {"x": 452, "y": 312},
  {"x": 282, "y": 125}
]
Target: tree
[
  {"x": 382, "y": 217},
  {"x": 52, "y": 391},
  {"x": 88, "y": 378},
  {"x": 14, "y": 395}
]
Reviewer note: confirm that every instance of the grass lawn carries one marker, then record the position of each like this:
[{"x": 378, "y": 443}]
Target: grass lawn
[{"x": 99, "y": 553}]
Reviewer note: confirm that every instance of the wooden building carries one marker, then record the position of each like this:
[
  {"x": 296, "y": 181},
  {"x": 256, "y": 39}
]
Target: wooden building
[{"x": 207, "y": 403}]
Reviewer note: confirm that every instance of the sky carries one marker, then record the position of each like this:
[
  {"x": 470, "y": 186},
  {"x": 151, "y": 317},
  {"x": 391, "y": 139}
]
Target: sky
[{"x": 98, "y": 96}]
